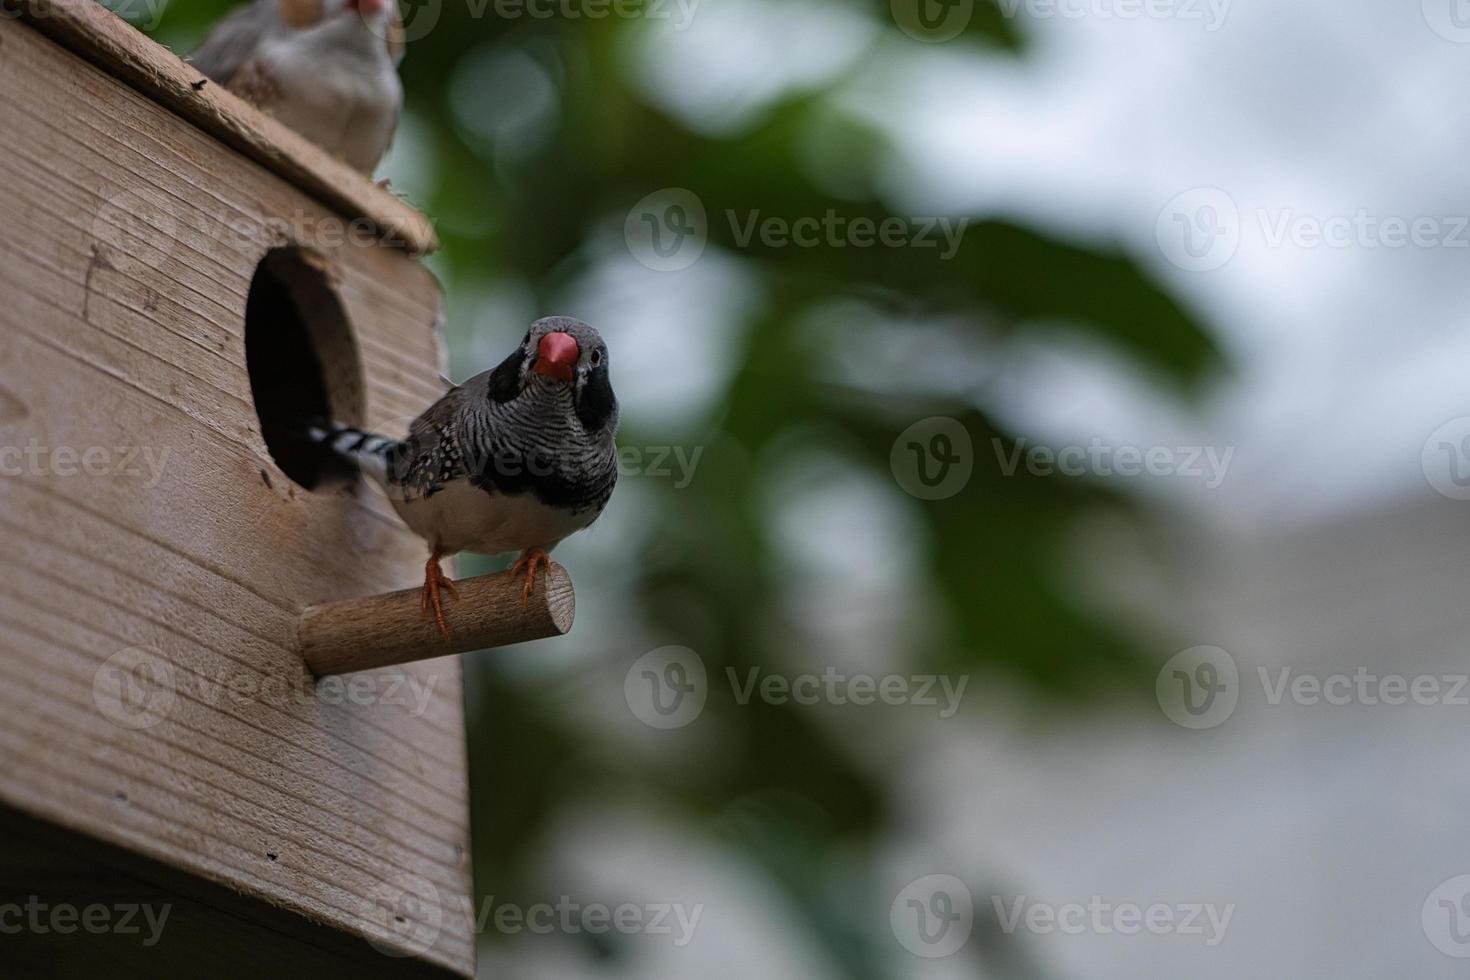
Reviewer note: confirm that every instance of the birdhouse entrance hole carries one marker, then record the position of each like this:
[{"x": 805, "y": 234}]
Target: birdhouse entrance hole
[{"x": 303, "y": 362}]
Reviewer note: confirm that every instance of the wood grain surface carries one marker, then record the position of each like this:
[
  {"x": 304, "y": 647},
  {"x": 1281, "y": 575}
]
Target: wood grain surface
[
  {"x": 157, "y": 560},
  {"x": 110, "y": 43}
]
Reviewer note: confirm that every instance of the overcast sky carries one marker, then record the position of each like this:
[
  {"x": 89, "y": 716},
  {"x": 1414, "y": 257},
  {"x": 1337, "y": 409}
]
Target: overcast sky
[
  {"x": 1314, "y": 153},
  {"x": 1347, "y": 353}
]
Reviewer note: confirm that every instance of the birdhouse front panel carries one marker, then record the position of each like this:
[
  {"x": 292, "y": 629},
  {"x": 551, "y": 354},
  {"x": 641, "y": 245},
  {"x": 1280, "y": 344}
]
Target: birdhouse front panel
[{"x": 171, "y": 308}]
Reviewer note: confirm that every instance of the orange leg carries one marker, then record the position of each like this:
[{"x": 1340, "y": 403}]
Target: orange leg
[
  {"x": 526, "y": 564},
  {"x": 429, "y": 598}
]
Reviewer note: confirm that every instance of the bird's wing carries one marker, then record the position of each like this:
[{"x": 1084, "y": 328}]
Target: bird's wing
[
  {"x": 433, "y": 453},
  {"x": 234, "y": 40}
]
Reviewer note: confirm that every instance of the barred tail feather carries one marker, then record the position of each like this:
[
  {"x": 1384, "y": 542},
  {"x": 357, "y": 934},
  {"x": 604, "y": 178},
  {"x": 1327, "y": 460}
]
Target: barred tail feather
[{"x": 368, "y": 451}]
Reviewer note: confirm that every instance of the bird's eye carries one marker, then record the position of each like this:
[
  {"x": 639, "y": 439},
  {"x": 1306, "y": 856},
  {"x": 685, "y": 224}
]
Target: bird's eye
[
  {"x": 526, "y": 339},
  {"x": 596, "y": 358}
]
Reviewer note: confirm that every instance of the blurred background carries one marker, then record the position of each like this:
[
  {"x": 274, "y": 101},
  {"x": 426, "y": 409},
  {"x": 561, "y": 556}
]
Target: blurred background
[{"x": 1127, "y": 463}]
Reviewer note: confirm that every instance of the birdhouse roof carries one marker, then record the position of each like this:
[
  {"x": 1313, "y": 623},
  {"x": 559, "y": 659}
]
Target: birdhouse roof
[{"x": 105, "y": 40}]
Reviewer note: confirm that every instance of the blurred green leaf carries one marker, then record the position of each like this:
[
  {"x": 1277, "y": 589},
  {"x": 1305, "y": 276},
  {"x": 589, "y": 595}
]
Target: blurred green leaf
[{"x": 788, "y": 789}]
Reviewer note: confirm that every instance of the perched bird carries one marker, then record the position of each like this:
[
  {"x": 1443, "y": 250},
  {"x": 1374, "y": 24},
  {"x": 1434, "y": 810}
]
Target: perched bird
[
  {"x": 514, "y": 459},
  {"x": 326, "y": 68}
]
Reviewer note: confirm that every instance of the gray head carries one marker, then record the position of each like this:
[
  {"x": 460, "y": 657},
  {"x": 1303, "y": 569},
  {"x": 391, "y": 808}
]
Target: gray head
[{"x": 557, "y": 353}]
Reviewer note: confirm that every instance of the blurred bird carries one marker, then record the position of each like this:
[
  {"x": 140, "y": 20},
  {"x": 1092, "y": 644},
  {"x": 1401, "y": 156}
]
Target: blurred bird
[
  {"x": 514, "y": 459},
  {"x": 326, "y": 68}
]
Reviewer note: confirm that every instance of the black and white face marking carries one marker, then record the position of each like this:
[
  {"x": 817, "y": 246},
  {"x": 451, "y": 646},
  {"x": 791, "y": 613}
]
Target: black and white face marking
[{"x": 561, "y": 350}]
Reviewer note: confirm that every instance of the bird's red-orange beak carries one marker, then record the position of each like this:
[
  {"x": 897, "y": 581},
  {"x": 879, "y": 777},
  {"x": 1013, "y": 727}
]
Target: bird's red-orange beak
[{"x": 556, "y": 355}]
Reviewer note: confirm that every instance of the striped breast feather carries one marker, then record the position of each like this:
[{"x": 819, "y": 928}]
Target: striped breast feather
[{"x": 539, "y": 447}]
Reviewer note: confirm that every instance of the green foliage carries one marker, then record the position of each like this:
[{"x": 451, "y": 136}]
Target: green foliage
[{"x": 787, "y": 792}]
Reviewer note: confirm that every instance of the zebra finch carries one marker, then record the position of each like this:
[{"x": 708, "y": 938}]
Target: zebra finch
[
  {"x": 326, "y": 68},
  {"x": 513, "y": 460}
]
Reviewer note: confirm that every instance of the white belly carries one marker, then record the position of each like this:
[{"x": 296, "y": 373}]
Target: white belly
[
  {"x": 337, "y": 103},
  {"x": 462, "y": 517}
]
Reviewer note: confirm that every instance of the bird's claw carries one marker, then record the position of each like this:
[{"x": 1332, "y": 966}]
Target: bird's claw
[
  {"x": 526, "y": 564},
  {"x": 429, "y": 597}
]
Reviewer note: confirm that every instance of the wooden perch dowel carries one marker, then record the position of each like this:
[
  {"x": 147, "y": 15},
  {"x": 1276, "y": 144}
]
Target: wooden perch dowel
[{"x": 380, "y": 630}]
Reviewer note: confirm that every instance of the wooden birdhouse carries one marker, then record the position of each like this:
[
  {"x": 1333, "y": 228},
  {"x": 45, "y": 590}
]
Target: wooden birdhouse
[{"x": 179, "y": 273}]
